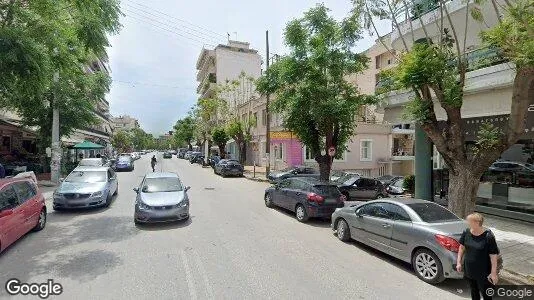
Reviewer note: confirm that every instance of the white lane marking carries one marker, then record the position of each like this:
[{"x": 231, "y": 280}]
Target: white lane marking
[
  {"x": 209, "y": 289},
  {"x": 189, "y": 277}
]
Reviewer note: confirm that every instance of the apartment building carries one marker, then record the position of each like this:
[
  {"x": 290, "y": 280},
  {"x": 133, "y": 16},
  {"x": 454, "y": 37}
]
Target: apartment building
[
  {"x": 508, "y": 187},
  {"x": 124, "y": 122}
]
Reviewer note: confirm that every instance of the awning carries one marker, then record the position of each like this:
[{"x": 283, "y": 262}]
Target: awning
[{"x": 88, "y": 145}]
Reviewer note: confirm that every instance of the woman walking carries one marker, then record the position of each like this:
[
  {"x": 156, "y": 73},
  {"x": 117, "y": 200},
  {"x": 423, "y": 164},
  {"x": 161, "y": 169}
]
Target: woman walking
[
  {"x": 153, "y": 163},
  {"x": 477, "y": 257}
]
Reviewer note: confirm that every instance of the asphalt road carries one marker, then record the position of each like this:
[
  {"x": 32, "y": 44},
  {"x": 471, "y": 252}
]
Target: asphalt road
[{"x": 232, "y": 247}]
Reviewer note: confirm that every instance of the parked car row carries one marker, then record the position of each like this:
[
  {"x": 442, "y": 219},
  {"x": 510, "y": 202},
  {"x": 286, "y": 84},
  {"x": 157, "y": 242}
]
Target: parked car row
[{"x": 419, "y": 232}]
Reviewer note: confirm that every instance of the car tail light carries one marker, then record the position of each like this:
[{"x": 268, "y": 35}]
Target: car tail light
[
  {"x": 342, "y": 198},
  {"x": 448, "y": 243},
  {"x": 313, "y": 197}
]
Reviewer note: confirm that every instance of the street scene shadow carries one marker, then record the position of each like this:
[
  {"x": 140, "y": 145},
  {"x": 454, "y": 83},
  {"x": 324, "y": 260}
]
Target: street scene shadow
[
  {"x": 457, "y": 287},
  {"x": 315, "y": 222},
  {"x": 164, "y": 226},
  {"x": 53, "y": 254}
]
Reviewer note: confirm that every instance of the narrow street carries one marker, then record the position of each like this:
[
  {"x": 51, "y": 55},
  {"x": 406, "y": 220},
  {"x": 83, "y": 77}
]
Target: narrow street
[{"x": 233, "y": 247}]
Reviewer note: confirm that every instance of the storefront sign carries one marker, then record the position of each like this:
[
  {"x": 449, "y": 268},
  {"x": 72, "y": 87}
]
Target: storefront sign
[
  {"x": 472, "y": 125},
  {"x": 281, "y": 135}
]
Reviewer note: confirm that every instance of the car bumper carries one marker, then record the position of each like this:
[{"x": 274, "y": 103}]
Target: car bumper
[
  {"x": 121, "y": 168},
  {"x": 65, "y": 203},
  {"x": 448, "y": 262},
  {"x": 323, "y": 211},
  {"x": 232, "y": 172},
  {"x": 156, "y": 215}
]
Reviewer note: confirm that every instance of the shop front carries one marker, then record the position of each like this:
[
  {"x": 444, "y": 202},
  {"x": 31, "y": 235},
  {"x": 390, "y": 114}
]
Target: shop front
[
  {"x": 507, "y": 187},
  {"x": 286, "y": 150}
]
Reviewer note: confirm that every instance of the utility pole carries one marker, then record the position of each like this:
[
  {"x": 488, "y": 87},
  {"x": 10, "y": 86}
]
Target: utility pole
[
  {"x": 267, "y": 115},
  {"x": 55, "y": 163}
]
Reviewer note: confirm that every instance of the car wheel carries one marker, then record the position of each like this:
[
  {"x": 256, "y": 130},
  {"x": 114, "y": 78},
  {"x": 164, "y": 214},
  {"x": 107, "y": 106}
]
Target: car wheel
[
  {"x": 300, "y": 212},
  {"x": 108, "y": 200},
  {"x": 427, "y": 266},
  {"x": 41, "y": 222},
  {"x": 268, "y": 200},
  {"x": 56, "y": 208},
  {"x": 116, "y": 192},
  {"x": 343, "y": 231},
  {"x": 136, "y": 222}
]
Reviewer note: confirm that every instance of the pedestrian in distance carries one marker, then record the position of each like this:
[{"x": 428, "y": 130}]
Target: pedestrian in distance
[
  {"x": 153, "y": 163},
  {"x": 478, "y": 258}
]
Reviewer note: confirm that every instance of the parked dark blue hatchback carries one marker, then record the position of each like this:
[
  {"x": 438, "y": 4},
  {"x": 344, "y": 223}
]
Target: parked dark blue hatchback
[{"x": 306, "y": 196}]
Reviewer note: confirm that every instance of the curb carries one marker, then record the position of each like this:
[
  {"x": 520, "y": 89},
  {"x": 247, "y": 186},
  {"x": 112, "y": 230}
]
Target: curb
[{"x": 516, "y": 278}]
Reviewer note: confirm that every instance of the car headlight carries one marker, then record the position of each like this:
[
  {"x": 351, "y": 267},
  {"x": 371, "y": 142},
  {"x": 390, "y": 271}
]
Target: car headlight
[
  {"x": 142, "y": 206},
  {"x": 184, "y": 203},
  {"x": 97, "y": 194}
]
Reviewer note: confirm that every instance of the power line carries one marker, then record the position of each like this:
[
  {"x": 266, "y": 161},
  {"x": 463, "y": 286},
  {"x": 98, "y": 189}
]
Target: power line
[
  {"x": 182, "y": 27},
  {"x": 187, "y": 39},
  {"x": 218, "y": 34},
  {"x": 140, "y": 17}
]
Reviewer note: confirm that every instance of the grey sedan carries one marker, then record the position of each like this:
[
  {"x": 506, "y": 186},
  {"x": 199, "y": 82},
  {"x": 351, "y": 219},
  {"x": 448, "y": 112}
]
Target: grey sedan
[
  {"x": 416, "y": 231},
  {"x": 161, "y": 197},
  {"x": 86, "y": 187}
]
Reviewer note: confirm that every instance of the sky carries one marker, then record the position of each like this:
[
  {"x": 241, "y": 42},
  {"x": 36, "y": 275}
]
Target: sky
[{"x": 153, "y": 58}]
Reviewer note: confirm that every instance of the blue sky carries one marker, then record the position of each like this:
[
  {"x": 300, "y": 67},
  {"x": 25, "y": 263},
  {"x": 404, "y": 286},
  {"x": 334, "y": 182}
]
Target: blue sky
[{"x": 153, "y": 58}]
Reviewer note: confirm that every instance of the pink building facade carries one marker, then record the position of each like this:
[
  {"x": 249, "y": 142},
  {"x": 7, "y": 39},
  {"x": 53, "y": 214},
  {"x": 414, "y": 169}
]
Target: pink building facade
[{"x": 286, "y": 150}]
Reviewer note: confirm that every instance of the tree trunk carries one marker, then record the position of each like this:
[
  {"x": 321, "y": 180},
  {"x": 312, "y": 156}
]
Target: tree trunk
[
  {"x": 222, "y": 151},
  {"x": 463, "y": 188},
  {"x": 242, "y": 153},
  {"x": 325, "y": 165}
]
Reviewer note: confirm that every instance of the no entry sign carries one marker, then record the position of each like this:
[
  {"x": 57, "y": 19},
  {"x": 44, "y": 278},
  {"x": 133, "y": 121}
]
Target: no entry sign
[{"x": 332, "y": 151}]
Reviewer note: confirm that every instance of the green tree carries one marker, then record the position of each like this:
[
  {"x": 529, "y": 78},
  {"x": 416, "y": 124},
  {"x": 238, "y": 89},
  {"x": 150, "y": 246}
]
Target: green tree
[
  {"x": 220, "y": 138},
  {"x": 435, "y": 70},
  {"x": 312, "y": 94},
  {"x": 140, "y": 139},
  {"x": 184, "y": 130},
  {"x": 38, "y": 38},
  {"x": 121, "y": 141}
]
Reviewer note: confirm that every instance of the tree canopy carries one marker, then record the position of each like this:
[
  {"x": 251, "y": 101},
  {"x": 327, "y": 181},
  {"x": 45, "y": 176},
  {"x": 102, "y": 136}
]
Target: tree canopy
[{"x": 312, "y": 93}]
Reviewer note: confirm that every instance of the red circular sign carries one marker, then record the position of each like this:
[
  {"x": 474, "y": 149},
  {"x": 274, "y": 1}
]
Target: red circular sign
[{"x": 332, "y": 151}]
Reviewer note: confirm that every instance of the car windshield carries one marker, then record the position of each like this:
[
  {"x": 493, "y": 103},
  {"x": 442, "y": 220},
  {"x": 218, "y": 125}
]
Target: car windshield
[
  {"x": 162, "y": 185},
  {"x": 347, "y": 179},
  {"x": 124, "y": 159},
  {"x": 86, "y": 176},
  {"x": 288, "y": 169},
  {"x": 399, "y": 183},
  {"x": 433, "y": 213},
  {"x": 91, "y": 162},
  {"x": 327, "y": 190}
]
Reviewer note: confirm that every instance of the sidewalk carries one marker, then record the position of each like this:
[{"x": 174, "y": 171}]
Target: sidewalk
[
  {"x": 260, "y": 173},
  {"x": 516, "y": 243}
]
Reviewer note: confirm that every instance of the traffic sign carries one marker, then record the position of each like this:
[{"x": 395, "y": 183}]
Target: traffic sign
[{"x": 332, "y": 151}]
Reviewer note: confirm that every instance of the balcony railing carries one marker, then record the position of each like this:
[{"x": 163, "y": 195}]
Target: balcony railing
[{"x": 483, "y": 57}]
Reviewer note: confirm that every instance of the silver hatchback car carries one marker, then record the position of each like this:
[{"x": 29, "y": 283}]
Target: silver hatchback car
[
  {"x": 161, "y": 197},
  {"x": 419, "y": 232}
]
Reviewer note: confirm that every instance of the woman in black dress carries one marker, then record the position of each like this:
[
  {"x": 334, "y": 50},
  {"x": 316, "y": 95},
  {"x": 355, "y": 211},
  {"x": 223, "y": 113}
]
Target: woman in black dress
[{"x": 477, "y": 257}]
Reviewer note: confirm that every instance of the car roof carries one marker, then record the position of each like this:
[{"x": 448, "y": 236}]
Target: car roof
[
  {"x": 161, "y": 175},
  {"x": 312, "y": 180},
  {"x": 92, "y": 158},
  {"x": 402, "y": 200},
  {"x": 90, "y": 168},
  {"x": 6, "y": 181}
]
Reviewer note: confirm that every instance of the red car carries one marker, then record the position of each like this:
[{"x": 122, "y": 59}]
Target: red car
[{"x": 22, "y": 209}]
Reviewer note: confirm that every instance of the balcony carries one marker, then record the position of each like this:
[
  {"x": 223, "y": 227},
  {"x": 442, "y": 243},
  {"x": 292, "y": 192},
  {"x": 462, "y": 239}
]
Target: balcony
[
  {"x": 486, "y": 69},
  {"x": 402, "y": 154},
  {"x": 209, "y": 80}
]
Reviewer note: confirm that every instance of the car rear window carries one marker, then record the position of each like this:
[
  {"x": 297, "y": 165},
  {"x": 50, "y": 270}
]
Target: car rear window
[
  {"x": 433, "y": 213},
  {"x": 327, "y": 190}
]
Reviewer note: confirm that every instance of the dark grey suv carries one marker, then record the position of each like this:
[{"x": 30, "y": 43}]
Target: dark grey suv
[{"x": 355, "y": 187}]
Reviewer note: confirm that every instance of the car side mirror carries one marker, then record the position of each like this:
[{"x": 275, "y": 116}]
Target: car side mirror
[
  {"x": 61, "y": 179},
  {"x": 136, "y": 190},
  {"x": 187, "y": 188},
  {"x": 358, "y": 214}
]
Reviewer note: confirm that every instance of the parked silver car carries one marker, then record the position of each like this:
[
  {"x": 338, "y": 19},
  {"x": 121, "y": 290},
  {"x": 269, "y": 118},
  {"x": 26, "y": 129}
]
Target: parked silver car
[
  {"x": 420, "y": 232},
  {"x": 86, "y": 187},
  {"x": 161, "y": 197},
  {"x": 93, "y": 162}
]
